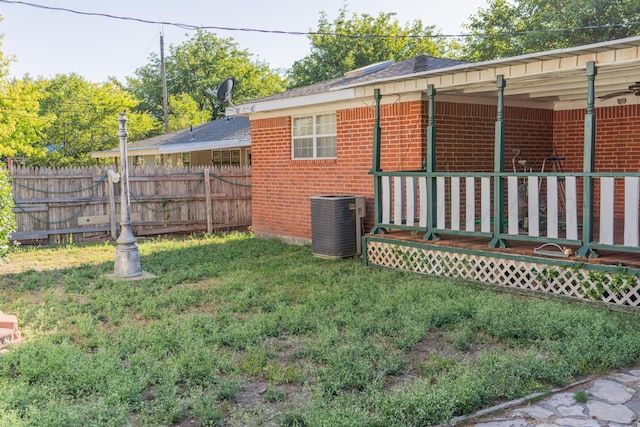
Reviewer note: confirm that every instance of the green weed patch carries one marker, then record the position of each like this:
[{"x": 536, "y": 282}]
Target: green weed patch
[{"x": 235, "y": 330}]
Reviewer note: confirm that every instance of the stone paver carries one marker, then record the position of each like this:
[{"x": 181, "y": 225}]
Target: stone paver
[
  {"x": 611, "y": 391},
  {"x": 611, "y": 401}
]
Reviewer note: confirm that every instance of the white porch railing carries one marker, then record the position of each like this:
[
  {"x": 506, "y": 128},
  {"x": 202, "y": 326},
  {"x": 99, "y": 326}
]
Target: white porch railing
[{"x": 538, "y": 207}]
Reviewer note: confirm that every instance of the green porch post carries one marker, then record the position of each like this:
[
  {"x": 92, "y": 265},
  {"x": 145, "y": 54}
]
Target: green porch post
[
  {"x": 429, "y": 165},
  {"x": 498, "y": 167},
  {"x": 377, "y": 180},
  {"x": 589, "y": 165}
]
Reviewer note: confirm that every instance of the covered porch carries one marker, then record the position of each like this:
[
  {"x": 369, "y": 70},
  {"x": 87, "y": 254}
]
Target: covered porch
[{"x": 573, "y": 232}]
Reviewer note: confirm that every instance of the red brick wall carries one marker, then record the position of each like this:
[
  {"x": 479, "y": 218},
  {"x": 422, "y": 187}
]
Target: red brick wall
[
  {"x": 466, "y": 134},
  {"x": 281, "y": 200},
  {"x": 617, "y": 143},
  {"x": 617, "y": 138},
  {"x": 465, "y": 137}
]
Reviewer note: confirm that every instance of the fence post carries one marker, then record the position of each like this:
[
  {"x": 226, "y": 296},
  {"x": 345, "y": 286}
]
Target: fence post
[
  {"x": 112, "y": 206},
  {"x": 207, "y": 198}
]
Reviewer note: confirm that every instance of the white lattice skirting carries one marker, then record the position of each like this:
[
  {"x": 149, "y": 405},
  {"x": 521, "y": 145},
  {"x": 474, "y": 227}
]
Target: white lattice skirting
[{"x": 619, "y": 287}]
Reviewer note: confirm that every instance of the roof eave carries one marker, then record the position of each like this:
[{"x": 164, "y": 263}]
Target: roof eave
[
  {"x": 202, "y": 146},
  {"x": 301, "y": 101},
  {"x": 175, "y": 148},
  {"x": 131, "y": 151},
  {"x": 494, "y": 63}
]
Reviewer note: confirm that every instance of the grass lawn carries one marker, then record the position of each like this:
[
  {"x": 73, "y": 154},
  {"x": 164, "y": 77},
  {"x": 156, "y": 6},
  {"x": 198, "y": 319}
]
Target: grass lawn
[{"x": 237, "y": 331}]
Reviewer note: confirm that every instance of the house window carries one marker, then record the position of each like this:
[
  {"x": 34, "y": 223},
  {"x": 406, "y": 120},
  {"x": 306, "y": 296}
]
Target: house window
[
  {"x": 225, "y": 157},
  {"x": 138, "y": 160},
  {"x": 159, "y": 159},
  {"x": 314, "y": 137},
  {"x": 184, "y": 159}
]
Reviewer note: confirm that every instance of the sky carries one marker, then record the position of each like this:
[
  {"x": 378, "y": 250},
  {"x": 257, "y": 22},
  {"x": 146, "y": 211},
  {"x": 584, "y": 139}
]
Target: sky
[{"x": 49, "y": 42}]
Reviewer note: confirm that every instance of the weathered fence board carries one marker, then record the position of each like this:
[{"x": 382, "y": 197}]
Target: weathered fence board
[{"x": 54, "y": 202}]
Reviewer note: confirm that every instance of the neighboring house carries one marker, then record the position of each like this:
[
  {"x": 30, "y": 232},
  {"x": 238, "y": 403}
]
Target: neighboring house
[
  {"x": 220, "y": 142},
  {"x": 440, "y": 178}
]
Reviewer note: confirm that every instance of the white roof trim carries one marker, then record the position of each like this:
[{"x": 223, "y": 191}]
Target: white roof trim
[
  {"x": 299, "y": 101},
  {"x": 144, "y": 151},
  {"x": 201, "y": 146},
  {"x": 176, "y": 148}
]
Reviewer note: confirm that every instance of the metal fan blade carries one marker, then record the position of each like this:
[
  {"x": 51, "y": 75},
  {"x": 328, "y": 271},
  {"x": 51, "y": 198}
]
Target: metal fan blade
[{"x": 615, "y": 94}]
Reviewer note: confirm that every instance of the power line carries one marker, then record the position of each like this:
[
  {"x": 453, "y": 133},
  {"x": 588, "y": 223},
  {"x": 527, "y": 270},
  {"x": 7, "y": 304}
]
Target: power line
[{"x": 312, "y": 33}]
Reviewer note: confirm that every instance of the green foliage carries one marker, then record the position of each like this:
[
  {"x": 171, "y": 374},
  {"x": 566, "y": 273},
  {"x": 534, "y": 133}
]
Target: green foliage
[
  {"x": 274, "y": 395},
  {"x": 199, "y": 64},
  {"x": 84, "y": 118},
  {"x": 581, "y": 397},
  {"x": 504, "y": 28},
  {"x": 21, "y": 126},
  {"x": 7, "y": 217},
  {"x": 315, "y": 342},
  {"x": 346, "y": 44},
  {"x": 185, "y": 112},
  {"x": 206, "y": 409},
  {"x": 601, "y": 284}
]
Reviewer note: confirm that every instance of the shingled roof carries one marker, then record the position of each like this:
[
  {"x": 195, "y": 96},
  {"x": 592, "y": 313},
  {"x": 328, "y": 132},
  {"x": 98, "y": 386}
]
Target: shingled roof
[
  {"x": 231, "y": 128},
  {"x": 229, "y": 132},
  {"x": 382, "y": 70}
]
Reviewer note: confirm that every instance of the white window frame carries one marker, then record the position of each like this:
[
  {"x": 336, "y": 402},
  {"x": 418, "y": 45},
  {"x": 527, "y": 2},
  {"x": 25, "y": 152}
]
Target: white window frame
[
  {"x": 315, "y": 136},
  {"x": 231, "y": 152}
]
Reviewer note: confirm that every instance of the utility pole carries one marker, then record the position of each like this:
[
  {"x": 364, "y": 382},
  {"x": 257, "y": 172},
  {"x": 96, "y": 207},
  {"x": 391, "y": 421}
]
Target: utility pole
[{"x": 165, "y": 102}]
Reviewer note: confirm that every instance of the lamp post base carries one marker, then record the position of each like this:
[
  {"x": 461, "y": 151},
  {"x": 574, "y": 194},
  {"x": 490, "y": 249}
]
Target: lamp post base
[{"x": 127, "y": 263}]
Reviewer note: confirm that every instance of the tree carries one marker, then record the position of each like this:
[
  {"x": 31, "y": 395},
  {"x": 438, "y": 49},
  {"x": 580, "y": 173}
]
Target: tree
[
  {"x": 21, "y": 126},
  {"x": 185, "y": 112},
  {"x": 7, "y": 217},
  {"x": 504, "y": 29},
  {"x": 346, "y": 44},
  {"x": 84, "y": 119},
  {"x": 197, "y": 67}
]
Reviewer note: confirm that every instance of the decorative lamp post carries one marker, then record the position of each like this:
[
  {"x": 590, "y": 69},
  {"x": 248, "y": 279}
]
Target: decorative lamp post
[{"x": 127, "y": 264}]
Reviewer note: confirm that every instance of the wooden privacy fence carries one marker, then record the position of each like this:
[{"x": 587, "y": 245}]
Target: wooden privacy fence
[{"x": 60, "y": 204}]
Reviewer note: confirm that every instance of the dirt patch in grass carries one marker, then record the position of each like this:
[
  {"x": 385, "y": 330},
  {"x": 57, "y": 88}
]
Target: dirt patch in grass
[
  {"x": 437, "y": 353},
  {"x": 265, "y": 401}
]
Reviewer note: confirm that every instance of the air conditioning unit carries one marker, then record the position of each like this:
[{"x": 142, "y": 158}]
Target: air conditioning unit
[{"x": 336, "y": 225}]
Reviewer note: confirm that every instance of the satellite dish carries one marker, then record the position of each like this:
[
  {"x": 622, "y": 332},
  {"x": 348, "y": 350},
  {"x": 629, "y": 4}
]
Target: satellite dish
[{"x": 224, "y": 91}]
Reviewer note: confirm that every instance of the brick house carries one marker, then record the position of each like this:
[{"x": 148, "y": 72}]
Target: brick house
[
  {"x": 545, "y": 101},
  {"x": 450, "y": 136}
]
